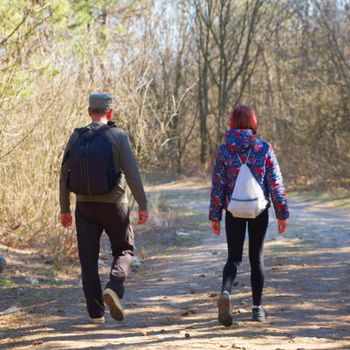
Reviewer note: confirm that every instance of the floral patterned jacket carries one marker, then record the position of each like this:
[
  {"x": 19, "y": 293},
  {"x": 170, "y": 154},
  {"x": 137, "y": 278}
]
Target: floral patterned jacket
[{"x": 262, "y": 163}]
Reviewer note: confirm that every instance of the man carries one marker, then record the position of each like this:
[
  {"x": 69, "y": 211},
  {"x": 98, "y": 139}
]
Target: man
[{"x": 97, "y": 164}]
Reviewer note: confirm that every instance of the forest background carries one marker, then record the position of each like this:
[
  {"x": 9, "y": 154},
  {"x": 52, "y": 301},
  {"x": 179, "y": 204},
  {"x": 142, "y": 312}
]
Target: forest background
[{"x": 176, "y": 69}]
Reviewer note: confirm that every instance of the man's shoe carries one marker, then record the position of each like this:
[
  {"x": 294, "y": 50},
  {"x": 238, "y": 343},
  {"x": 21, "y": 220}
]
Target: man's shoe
[
  {"x": 258, "y": 315},
  {"x": 97, "y": 320},
  {"x": 111, "y": 298},
  {"x": 224, "y": 305}
]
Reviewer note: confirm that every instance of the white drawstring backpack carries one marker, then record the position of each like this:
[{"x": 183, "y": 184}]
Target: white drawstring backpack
[{"x": 248, "y": 199}]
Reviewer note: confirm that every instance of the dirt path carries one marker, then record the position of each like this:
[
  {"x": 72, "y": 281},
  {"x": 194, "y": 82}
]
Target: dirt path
[{"x": 170, "y": 299}]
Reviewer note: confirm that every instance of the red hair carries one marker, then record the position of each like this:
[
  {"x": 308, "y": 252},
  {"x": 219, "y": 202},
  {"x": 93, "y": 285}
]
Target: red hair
[{"x": 243, "y": 117}]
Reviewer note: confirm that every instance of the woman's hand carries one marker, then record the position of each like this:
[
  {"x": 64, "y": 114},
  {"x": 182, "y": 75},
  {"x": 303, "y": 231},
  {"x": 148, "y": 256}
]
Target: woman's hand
[
  {"x": 215, "y": 227},
  {"x": 282, "y": 226},
  {"x": 143, "y": 216}
]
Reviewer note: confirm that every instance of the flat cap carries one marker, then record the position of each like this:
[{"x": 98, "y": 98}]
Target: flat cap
[{"x": 101, "y": 101}]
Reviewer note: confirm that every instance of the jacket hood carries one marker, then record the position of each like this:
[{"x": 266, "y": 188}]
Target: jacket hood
[{"x": 239, "y": 140}]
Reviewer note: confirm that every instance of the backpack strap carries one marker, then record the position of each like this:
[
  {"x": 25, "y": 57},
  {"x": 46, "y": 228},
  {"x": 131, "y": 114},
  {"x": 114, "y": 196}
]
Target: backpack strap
[
  {"x": 81, "y": 131},
  {"x": 111, "y": 124},
  {"x": 98, "y": 131},
  {"x": 240, "y": 160},
  {"x": 105, "y": 127}
]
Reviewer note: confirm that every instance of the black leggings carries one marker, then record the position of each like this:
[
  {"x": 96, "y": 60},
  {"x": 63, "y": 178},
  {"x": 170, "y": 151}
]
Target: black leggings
[{"x": 235, "y": 233}]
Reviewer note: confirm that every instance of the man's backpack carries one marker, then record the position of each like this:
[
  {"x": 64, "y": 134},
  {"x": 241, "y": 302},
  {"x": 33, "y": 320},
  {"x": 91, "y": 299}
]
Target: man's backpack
[
  {"x": 91, "y": 164},
  {"x": 248, "y": 199}
]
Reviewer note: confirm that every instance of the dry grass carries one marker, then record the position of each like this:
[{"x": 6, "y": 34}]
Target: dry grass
[{"x": 34, "y": 133}]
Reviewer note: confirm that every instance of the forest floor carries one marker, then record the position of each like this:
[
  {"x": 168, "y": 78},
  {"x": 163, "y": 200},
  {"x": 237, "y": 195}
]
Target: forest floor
[{"x": 170, "y": 298}]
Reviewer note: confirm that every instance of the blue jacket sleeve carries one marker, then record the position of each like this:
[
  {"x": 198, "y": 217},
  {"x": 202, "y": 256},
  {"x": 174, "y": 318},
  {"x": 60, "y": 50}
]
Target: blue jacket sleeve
[
  {"x": 217, "y": 195},
  {"x": 275, "y": 186}
]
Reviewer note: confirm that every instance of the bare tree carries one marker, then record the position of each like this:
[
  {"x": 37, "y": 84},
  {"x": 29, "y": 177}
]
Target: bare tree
[{"x": 231, "y": 39}]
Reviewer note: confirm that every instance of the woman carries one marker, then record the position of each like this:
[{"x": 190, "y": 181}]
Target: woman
[{"x": 242, "y": 142}]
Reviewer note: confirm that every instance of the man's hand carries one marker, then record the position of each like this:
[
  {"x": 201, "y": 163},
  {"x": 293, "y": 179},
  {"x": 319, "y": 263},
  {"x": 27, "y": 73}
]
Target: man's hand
[
  {"x": 66, "y": 220},
  {"x": 215, "y": 227},
  {"x": 282, "y": 226},
  {"x": 143, "y": 216}
]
